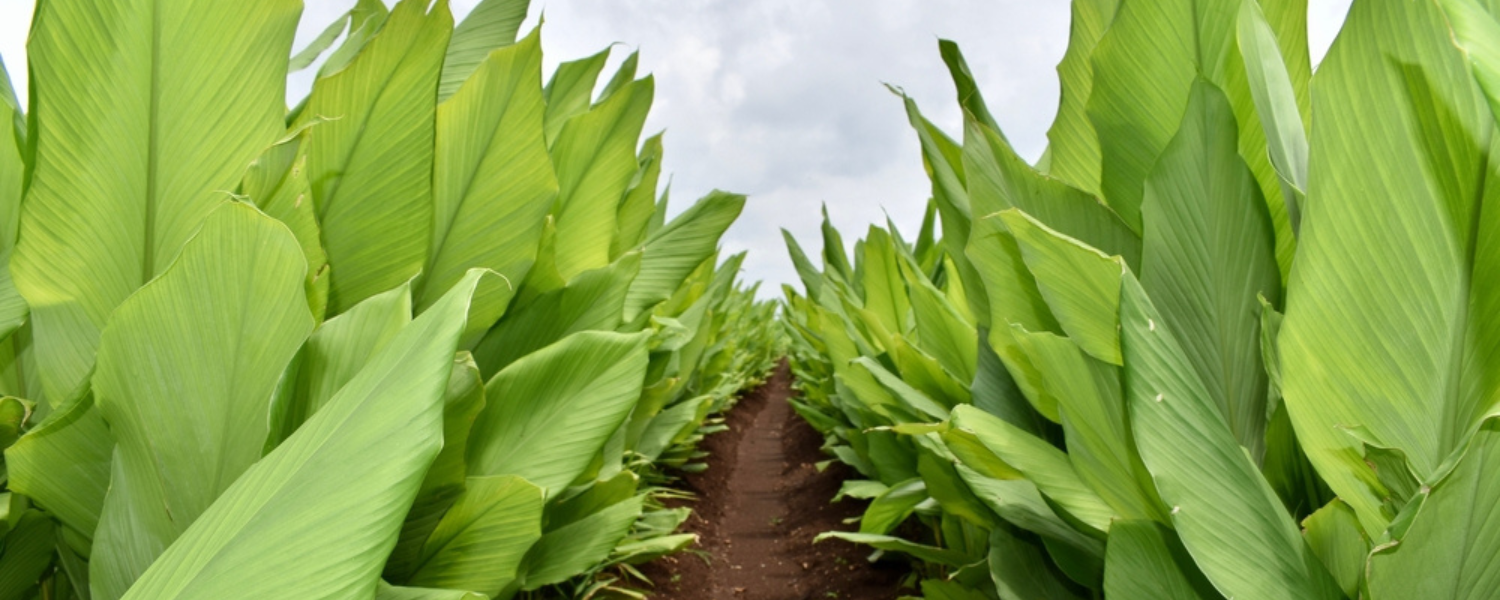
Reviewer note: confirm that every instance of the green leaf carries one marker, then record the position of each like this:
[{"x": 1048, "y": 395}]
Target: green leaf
[
  {"x": 444, "y": 482},
  {"x": 371, "y": 161},
  {"x": 1093, "y": 417},
  {"x": 386, "y": 591},
  {"x": 1209, "y": 255},
  {"x": 1391, "y": 316},
  {"x": 942, "y": 330},
  {"x": 63, "y": 465},
  {"x": 576, "y": 547},
  {"x": 593, "y": 301},
  {"x": 1146, "y": 561},
  {"x": 1228, "y": 516},
  {"x": 29, "y": 546},
  {"x": 317, "y": 517},
  {"x": 674, "y": 251},
  {"x": 1277, "y": 101},
  {"x": 172, "y": 463},
  {"x": 153, "y": 110},
  {"x": 571, "y": 90},
  {"x": 550, "y": 412},
  {"x": 334, "y": 354},
  {"x": 491, "y": 25},
  {"x": 480, "y": 542},
  {"x": 492, "y": 178},
  {"x": 925, "y": 553},
  {"x": 13, "y": 308},
  {"x": 640, "y": 200},
  {"x": 892, "y": 506},
  {"x": 595, "y": 160},
  {"x": 999, "y": 179},
  {"x": 1453, "y": 541},
  {"x": 1041, "y": 463},
  {"x": 276, "y": 182},
  {"x": 1074, "y": 145},
  {"x": 1080, "y": 284},
  {"x": 1478, "y": 36},
  {"x": 1020, "y": 569},
  {"x": 1334, "y": 535}
]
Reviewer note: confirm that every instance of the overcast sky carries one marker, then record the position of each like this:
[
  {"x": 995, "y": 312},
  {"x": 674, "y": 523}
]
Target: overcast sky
[{"x": 783, "y": 99}]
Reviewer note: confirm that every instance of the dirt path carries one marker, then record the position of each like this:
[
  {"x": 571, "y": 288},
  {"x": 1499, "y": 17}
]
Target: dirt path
[{"x": 760, "y": 504}]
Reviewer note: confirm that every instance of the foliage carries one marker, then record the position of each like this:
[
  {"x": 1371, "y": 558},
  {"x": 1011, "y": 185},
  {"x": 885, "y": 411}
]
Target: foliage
[
  {"x": 428, "y": 334},
  {"x": 1086, "y": 385}
]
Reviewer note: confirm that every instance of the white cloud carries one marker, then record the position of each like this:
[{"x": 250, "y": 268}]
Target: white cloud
[{"x": 782, "y": 99}]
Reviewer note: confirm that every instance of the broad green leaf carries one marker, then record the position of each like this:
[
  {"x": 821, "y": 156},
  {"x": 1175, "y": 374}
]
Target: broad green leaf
[
  {"x": 1144, "y": 68},
  {"x": 996, "y": 391},
  {"x": 1146, "y": 561},
  {"x": 1014, "y": 301},
  {"x": 942, "y": 331},
  {"x": 330, "y": 34},
  {"x": 925, "y": 553},
  {"x": 387, "y": 591},
  {"x": 317, "y": 517},
  {"x": 492, "y": 181},
  {"x": 1229, "y": 518},
  {"x": 945, "y": 167},
  {"x": 578, "y": 546},
  {"x": 189, "y": 409},
  {"x": 550, "y": 412},
  {"x": 593, "y": 301},
  {"x": 1041, "y": 463},
  {"x": 370, "y": 162},
  {"x": 672, "y": 426},
  {"x": 1019, "y": 502},
  {"x": 571, "y": 90},
  {"x": 885, "y": 290},
  {"x": 14, "y": 416},
  {"x": 1074, "y": 145},
  {"x": 834, "y": 258},
  {"x": 153, "y": 110},
  {"x": 640, "y": 200},
  {"x": 623, "y": 76},
  {"x": 892, "y": 506},
  {"x": 1478, "y": 35},
  {"x": 1391, "y": 320},
  {"x": 922, "y": 371},
  {"x": 1093, "y": 416},
  {"x": 909, "y": 396},
  {"x": 365, "y": 20},
  {"x": 1453, "y": 542},
  {"x": 1020, "y": 569},
  {"x": 1277, "y": 101},
  {"x": 595, "y": 159},
  {"x": 480, "y": 542},
  {"x": 12, "y": 180},
  {"x": 276, "y": 182},
  {"x": 29, "y": 546},
  {"x": 674, "y": 251},
  {"x": 969, "y": 96},
  {"x": 444, "y": 482},
  {"x": 334, "y": 353},
  {"x": 999, "y": 179},
  {"x": 1080, "y": 284},
  {"x": 63, "y": 465},
  {"x": 1334, "y": 535},
  {"x": 491, "y": 25},
  {"x": 1209, "y": 255}
]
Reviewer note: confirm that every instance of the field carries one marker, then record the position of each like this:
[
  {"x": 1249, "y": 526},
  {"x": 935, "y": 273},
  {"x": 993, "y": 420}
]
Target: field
[{"x": 433, "y": 333}]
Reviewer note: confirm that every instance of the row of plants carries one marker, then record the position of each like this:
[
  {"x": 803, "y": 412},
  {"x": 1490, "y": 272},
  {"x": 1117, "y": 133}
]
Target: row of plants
[
  {"x": 1233, "y": 336},
  {"x": 427, "y": 335}
]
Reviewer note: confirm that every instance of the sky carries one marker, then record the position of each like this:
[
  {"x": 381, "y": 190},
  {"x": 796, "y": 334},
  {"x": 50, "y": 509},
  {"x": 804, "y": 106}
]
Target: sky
[{"x": 785, "y": 100}]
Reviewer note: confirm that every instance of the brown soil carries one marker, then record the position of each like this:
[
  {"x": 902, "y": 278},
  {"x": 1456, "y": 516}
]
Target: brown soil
[{"x": 760, "y": 504}]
